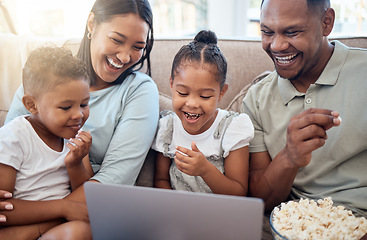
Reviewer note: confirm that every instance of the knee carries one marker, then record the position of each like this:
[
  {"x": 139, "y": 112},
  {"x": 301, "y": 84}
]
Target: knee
[{"x": 74, "y": 230}]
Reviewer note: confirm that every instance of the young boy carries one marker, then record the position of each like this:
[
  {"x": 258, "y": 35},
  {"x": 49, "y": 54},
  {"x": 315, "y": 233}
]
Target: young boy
[{"x": 37, "y": 162}]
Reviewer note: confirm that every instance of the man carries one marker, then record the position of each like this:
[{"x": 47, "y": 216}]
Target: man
[{"x": 297, "y": 150}]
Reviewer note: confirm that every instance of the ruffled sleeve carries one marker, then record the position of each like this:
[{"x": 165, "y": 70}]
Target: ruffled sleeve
[
  {"x": 164, "y": 134},
  {"x": 238, "y": 134}
]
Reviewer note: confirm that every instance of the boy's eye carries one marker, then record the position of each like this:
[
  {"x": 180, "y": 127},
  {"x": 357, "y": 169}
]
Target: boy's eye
[
  {"x": 65, "y": 108},
  {"x": 84, "y": 105},
  {"x": 182, "y": 94}
]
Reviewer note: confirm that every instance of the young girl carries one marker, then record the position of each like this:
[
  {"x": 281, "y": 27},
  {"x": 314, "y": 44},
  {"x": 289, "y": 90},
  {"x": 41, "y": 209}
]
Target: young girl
[{"x": 208, "y": 146}]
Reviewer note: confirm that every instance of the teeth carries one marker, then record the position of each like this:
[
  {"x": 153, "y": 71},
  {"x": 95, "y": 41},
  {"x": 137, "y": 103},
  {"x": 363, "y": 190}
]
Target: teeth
[
  {"x": 192, "y": 115},
  {"x": 116, "y": 65},
  {"x": 286, "y": 59}
]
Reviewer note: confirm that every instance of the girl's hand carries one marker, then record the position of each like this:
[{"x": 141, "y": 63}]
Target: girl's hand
[
  {"x": 79, "y": 148},
  {"x": 192, "y": 162},
  {"x": 4, "y": 205}
]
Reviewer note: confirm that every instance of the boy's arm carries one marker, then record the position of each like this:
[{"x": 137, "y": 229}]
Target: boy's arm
[
  {"x": 161, "y": 175},
  {"x": 80, "y": 173},
  {"x": 77, "y": 160}
]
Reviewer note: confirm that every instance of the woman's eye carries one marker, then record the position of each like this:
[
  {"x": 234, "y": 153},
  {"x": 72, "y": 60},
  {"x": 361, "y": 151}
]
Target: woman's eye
[
  {"x": 138, "y": 48},
  {"x": 116, "y": 40}
]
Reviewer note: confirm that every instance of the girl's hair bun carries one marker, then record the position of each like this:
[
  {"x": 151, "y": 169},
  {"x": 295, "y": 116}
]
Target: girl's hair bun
[{"x": 206, "y": 36}]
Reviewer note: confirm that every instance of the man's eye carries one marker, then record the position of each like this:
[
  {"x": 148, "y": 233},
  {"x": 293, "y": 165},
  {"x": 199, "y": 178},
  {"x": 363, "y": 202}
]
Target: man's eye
[
  {"x": 264, "y": 32},
  {"x": 292, "y": 33}
]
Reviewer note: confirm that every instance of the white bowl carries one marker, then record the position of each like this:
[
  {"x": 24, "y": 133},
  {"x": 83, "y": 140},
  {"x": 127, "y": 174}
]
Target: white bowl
[{"x": 278, "y": 236}]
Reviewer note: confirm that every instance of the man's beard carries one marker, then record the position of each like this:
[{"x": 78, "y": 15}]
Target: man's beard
[{"x": 295, "y": 77}]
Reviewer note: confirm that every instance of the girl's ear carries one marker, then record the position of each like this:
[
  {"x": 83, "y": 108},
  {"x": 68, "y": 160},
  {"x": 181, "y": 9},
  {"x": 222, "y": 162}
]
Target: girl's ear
[
  {"x": 170, "y": 82},
  {"x": 223, "y": 91},
  {"x": 30, "y": 103},
  {"x": 90, "y": 22}
]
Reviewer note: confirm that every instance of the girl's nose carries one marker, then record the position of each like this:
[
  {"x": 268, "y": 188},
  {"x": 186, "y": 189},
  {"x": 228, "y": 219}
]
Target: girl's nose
[{"x": 192, "y": 102}]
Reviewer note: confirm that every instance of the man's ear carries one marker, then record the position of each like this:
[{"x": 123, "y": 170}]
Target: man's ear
[
  {"x": 328, "y": 21},
  {"x": 223, "y": 91},
  {"x": 30, "y": 103}
]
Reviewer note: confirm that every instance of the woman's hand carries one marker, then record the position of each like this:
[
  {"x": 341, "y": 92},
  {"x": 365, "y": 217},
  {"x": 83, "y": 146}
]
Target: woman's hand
[{"x": 4, "y": 205}]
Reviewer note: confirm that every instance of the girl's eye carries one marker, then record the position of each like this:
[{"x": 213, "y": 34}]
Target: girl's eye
[
  {"x": 206, "y": 97},
  {"x": 84, "y": 105},
  {"x": 65, "y": 108}
]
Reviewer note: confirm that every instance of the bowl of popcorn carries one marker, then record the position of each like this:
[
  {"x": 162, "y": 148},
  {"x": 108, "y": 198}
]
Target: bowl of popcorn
[{"x": 317, "y": 219}]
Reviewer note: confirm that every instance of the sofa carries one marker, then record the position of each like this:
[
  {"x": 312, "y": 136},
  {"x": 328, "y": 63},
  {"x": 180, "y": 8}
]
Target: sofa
[{"x": 247, "y": 63}]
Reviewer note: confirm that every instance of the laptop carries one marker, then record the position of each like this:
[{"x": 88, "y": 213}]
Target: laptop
[{"x": 139, "y": 213}]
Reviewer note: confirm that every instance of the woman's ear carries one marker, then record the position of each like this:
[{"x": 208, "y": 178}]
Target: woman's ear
[
  {"x": 223, "y": 91},
  {"x": 90, "y": 22},
  {"x": 30, "y": 103}
]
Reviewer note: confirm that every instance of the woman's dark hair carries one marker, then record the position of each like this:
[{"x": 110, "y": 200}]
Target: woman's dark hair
[
  {"x": 103, "y": 11},
  {"x": 203, "y": 49}
]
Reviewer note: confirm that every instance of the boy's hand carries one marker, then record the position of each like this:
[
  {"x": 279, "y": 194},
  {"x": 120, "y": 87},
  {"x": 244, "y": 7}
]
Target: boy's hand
[
  {"x": 79, "y": 148},
  {"x": 192, "y": 162}
]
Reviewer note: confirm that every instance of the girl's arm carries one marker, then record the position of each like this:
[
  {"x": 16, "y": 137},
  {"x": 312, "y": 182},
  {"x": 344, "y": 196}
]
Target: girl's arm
[
  {"x": 236, "y": 168},
  {"x": 77, "y": 160},
  {"x": 161, "y": 176}
]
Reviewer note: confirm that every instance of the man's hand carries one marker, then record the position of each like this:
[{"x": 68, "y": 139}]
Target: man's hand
[{"x": 307, "y": 132}]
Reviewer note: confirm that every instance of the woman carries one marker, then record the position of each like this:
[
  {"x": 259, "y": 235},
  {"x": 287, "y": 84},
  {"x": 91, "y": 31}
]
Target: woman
[{"x": 117, "y": 40}]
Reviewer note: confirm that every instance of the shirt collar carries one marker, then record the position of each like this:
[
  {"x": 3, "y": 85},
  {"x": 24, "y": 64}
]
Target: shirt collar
[{"x": 328, "y": 77}]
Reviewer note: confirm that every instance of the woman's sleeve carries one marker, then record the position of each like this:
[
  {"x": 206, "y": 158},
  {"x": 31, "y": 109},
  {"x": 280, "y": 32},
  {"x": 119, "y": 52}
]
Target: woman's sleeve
[
  {"x": 133, "y": 136},
  {"x": 16, "y": 108},
  {"x": 158, "y": 143},
  {"x": 238, "y": 134}
]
